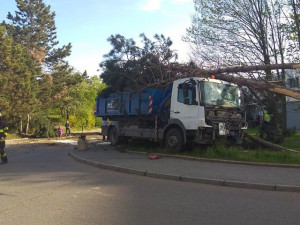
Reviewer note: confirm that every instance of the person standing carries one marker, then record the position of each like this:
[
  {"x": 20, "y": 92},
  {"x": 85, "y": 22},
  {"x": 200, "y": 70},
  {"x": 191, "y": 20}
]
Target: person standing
[
  {"x": 104, "y": 127},
  {"x": 67, "y": 125},
  {"x": 3, "y": 135},
  {"x": 265, "y": 125},
  {"x": 60, "y": 131}
]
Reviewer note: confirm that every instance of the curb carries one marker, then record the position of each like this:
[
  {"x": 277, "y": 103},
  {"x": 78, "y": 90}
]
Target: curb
[{"x": 217, "y": 182}]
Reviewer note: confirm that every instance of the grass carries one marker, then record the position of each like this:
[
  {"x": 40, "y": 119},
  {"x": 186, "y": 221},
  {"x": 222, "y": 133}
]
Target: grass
[
  {"x": 13, "y": 136},
  {"x": 292, "y": 142},
  {"x": 221, "y": 151},
  {"x": 253, "y": 131},
  {"x": 262, "y": 155}
]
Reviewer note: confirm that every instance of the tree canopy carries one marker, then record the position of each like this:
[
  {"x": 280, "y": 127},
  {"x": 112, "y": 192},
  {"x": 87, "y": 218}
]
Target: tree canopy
[
  {"x": 130, "y": 67},
  {"x": 33, "y": 25},
  {"x": 39, "y": 89}
]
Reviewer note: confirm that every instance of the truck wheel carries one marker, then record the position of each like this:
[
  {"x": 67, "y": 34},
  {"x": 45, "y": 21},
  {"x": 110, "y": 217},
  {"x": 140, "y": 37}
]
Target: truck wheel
[
  {"x": 174, "y": 140},
  {"x": 113, "y": 136}
]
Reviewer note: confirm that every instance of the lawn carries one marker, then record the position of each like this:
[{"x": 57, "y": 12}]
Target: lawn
[
  {"x": 290, "y": 142},
  {"x": 241, "y": 153}
]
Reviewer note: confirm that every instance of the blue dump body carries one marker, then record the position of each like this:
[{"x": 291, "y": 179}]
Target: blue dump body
[{"x": 133, "y": 103}]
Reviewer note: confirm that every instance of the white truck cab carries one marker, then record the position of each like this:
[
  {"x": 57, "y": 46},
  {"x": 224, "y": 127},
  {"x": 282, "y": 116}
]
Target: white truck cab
[{"x": 208, "y": 105}]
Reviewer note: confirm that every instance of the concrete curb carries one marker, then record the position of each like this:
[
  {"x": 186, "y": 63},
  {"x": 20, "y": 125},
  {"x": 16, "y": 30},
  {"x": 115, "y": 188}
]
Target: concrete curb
[{"x": 217, "y": 182}]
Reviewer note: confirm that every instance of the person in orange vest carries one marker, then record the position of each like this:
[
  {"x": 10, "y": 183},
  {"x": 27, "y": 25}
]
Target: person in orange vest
[{"x": 3, "y": 135}]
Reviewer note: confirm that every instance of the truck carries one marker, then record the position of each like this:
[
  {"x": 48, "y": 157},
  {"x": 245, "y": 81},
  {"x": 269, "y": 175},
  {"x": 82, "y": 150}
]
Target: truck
[{"x": 188, "y": 110}]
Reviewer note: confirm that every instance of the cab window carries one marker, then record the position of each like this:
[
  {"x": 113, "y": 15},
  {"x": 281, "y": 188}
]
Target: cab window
[{"x": 187, "y": 94}]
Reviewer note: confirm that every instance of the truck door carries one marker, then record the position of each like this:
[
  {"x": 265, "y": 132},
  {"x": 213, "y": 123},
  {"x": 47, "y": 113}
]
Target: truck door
[{"x": 185, "y": 103}]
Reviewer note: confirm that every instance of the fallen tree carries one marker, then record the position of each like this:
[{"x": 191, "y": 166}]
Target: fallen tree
[
  {"x": 225, "y": 74},
  {"x": 269, "y": 144}
]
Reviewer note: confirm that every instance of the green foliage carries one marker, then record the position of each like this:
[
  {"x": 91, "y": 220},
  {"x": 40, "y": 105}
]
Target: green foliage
[
  {"x": 129, "y": 67},
  {"x": 76, "y": 101},
  {"x": 44, "y": 127},
  {"x": 18, "y": 70},
  {"x": 33, "y": 25},
  {"x": 27, "y": 42}
]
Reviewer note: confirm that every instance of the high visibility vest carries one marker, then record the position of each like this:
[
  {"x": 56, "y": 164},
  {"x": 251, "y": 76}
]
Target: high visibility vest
[
  {"x": 267, "y": 117},
  {"x": 3, "y": 131}
]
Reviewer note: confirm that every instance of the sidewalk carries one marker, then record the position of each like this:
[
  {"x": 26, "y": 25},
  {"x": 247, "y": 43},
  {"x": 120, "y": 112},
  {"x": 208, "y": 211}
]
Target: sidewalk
[{"x": 254, "y": 176}]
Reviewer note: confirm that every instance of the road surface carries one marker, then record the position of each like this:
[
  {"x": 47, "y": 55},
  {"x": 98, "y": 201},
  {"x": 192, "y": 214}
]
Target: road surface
[{"x": 41, "y": 184}]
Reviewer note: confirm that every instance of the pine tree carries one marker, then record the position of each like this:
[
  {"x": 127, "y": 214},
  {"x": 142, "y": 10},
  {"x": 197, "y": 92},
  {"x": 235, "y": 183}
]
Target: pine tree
[
  {"x": 18, "y": 70},
  {"x": 33, "y": 25},
  {"x": 129, "y": 67}
]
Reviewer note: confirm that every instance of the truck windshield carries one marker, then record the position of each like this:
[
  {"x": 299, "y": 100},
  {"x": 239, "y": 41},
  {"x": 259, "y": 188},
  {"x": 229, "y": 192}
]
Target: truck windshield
[{"x": 220, "y": 94}]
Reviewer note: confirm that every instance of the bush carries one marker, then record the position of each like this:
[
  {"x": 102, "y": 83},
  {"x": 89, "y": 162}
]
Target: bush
[{"x": 44, "y": 127}]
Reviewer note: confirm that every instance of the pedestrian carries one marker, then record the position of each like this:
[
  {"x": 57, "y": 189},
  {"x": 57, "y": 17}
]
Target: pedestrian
[
  {"x": 60, "y": 131},
  {"x": 3, "y": 135},
  {"x": 67, "y": 125},
  {"x": 104, "y": 128}
]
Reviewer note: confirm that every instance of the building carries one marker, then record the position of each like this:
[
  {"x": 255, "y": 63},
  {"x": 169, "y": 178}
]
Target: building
[{"x": 293, "y": 105}]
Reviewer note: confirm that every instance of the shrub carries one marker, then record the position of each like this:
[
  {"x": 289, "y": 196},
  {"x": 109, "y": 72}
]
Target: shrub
[{"x": 44, "y": 127}]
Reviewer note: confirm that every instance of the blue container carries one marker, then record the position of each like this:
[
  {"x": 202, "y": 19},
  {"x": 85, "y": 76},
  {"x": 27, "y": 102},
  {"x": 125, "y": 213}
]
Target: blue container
[{"x": 129, "y": 103}]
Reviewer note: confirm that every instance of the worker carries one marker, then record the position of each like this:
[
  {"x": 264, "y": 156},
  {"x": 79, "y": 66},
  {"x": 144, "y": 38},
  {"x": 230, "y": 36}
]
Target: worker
[
  {"x": 3, "y": 135},
  {"x": 67, "y": 125},
  {"x": 267, "y": 117},
  {"x": 266, "y": 124},
  {"x": 104, "y": 127}
]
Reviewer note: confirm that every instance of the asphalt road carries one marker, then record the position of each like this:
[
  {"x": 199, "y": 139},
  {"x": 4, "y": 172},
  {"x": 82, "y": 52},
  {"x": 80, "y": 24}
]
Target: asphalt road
[{"x": 41, "y": 184}]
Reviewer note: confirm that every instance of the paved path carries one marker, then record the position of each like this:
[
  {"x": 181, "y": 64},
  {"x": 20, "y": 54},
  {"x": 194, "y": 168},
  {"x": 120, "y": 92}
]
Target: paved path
[{"x": 255, "y": 176}]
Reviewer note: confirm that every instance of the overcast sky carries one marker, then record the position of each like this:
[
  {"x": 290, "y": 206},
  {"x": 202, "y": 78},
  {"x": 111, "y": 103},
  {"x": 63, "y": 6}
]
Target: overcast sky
[{"x": 87, "y": 25}]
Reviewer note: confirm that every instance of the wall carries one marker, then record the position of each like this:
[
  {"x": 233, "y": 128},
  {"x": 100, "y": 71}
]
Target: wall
[{"x": 293, "y": 115}]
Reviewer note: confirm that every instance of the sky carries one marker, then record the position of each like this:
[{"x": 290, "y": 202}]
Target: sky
[{"x": 87, "y": 25}]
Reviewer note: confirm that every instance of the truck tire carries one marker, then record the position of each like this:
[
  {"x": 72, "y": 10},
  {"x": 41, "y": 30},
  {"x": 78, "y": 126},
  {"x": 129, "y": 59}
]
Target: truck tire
[
  {"x": 113, "y": 136},
  {"x": 174, "y": 140}
]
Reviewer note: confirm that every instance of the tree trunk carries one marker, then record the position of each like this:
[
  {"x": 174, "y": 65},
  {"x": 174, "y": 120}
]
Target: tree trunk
[
  {"x": 21, "y": 126},
  {"x": 283, "y": 115},
  {"x": 268, "y": 144},
  {"x": 67, "y": 114},
  {"x": 260, "y": 85},
  {"x": 27, "y": 124},
  {"x": 182, "y": 71}
]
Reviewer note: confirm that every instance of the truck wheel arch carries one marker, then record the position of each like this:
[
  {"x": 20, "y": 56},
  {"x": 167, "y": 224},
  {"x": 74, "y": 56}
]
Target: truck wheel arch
[
  {"x": 113, "y": 126},
  {"x": 113, "y": 136},
  {"x": 175, "y": 123}
]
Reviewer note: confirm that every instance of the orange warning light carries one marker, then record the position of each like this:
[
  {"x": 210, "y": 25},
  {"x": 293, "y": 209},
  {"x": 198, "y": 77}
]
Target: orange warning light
[{"x": 212, "y": 77}]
